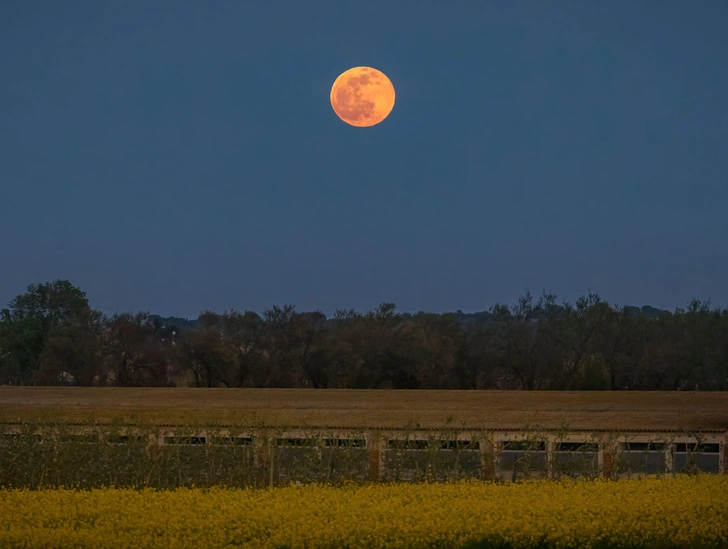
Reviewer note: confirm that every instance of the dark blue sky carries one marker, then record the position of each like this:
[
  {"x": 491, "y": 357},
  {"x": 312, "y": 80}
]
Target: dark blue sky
[{"x": 177, "y": 156}]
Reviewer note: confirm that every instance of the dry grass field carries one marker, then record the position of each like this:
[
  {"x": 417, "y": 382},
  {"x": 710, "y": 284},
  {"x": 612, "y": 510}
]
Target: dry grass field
[{"x": 355, "y": 409}]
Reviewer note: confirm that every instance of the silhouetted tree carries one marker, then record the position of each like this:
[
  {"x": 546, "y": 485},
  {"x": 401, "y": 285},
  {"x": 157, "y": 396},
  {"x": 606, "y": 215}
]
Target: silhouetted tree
[
  {"x": 134, "y": 354},
  {"x": 28, "y": 322},
  {"x": 208, "y": 354},
  {"x": 245, "y": 331},
  {"x": 50, "y": 335}
]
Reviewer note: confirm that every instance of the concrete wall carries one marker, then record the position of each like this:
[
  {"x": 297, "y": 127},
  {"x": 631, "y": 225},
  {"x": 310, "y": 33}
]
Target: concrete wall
[{"x": 486, "y": 454}]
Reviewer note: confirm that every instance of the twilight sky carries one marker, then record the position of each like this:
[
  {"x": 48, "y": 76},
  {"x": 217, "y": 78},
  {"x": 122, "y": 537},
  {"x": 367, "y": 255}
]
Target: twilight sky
[{"x": 178, "y": 156}]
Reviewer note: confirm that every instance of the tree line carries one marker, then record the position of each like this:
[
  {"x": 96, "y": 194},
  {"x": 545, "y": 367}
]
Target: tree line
[{"x": 50, "y": 335}]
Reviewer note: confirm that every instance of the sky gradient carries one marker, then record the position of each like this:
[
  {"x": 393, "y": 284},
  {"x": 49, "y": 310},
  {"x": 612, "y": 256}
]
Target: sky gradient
[{"x": 179, "y": 156}]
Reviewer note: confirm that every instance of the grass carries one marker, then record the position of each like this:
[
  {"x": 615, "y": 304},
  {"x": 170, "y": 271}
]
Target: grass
[{"x": 358, "y": 409}]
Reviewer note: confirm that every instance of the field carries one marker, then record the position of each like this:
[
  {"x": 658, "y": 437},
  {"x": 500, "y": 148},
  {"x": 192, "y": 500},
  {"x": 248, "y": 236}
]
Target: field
[
  {"x": 359, "y": 409},
  {"x": 672, "y": 512},
  {"x": 655, "y": 512}
]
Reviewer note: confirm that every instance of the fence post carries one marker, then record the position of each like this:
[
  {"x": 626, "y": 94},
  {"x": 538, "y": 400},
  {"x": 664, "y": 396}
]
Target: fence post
[
  {"x": 260, "y": 456},
  {"x": 271, "y": 450},
  {"x": 607, "y": 460},
  {"x": 487, "y": 454},
  {"x": 374, "y": 454},
  {"x": 669, "y": 465},
  {"x": 550, "y": 455}
]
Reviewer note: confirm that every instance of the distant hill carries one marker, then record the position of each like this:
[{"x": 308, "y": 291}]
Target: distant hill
[
  {"x": 467, "y": 320},
  {"x": 183, "y": 324},
  {"x": 648, "y": 311}
]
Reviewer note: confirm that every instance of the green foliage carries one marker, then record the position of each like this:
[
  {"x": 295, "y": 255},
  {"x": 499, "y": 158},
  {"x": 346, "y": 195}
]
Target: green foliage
[
  {"x": 591, "y": 374},
  {"x": 30, "y": 320}
]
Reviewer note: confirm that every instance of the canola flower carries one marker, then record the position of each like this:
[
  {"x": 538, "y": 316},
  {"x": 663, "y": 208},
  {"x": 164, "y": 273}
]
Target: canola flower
[{"x": 682, "y": 511}]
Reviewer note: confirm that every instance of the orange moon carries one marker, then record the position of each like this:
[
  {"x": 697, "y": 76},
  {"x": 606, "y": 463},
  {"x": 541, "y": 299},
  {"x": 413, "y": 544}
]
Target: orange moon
[{"x": 362, "y": 96}]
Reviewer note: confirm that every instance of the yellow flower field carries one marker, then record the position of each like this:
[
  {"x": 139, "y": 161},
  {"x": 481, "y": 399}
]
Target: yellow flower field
[{"x": 670, "y": 512}]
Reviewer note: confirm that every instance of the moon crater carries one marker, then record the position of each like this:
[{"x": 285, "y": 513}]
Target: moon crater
[{"x": 362, "y": 96}]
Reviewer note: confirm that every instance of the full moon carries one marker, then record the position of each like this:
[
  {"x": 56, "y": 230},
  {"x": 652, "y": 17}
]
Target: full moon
[{"x": 362, "y": 96}]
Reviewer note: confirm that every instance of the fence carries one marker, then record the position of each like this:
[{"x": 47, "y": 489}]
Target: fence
[{"x": 36, "y": 455}]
